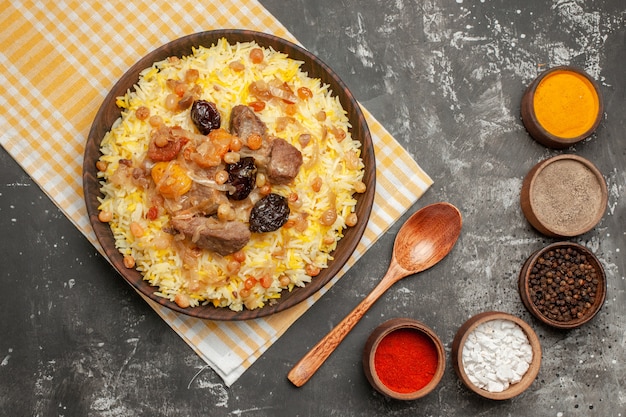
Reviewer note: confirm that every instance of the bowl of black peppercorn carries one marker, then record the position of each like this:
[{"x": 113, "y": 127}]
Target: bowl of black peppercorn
[{"x": 563, "y": 285}]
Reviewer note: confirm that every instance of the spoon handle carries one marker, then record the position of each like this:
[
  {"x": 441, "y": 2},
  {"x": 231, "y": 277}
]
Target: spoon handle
[{"x": 310, "y": 363}]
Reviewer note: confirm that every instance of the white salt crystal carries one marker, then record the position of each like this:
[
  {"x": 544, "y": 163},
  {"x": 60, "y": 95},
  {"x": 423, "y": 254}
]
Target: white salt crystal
[{"x": 496, "y": 354}]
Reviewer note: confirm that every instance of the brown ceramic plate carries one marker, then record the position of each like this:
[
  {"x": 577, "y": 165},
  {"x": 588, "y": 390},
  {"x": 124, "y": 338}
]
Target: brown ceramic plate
[{"x": 109, "y": 113}]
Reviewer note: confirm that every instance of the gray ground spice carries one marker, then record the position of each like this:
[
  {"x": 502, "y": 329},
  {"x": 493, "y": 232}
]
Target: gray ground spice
[{"x": 566, "y": 196}]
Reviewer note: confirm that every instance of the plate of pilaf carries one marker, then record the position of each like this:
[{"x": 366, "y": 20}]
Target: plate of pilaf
[{"x": 229, "y": 175}]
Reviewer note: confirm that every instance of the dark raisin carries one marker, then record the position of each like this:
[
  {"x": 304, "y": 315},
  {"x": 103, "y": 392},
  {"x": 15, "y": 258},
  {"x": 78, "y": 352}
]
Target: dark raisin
[
  {"x": 241, "y": 175},
  {"x": 205, "y": 116},
  {"x": 269, "y": 213}
]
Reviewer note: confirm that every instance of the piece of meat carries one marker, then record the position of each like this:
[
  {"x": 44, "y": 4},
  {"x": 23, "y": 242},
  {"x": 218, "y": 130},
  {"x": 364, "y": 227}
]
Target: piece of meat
[
  {"x": 243, "y": 123},
  {"x": 209, "y": 233},
  {"x": 284, "y": 163},
  {"x": 202, "y": 199}
]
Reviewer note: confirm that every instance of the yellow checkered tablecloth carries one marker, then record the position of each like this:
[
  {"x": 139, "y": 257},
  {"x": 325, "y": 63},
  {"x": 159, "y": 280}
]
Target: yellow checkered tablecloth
[{"x": 59, "y": 59}]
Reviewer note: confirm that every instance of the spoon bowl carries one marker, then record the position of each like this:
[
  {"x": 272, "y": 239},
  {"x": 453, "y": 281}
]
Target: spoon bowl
[
  {"x": 427, "y": 237},
  {"x": 422, "y": 241}
]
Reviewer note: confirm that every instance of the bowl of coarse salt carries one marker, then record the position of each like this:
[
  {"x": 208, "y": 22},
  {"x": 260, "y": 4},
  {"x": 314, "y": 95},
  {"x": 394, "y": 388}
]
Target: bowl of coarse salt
[{"x": 496, "y": 355}]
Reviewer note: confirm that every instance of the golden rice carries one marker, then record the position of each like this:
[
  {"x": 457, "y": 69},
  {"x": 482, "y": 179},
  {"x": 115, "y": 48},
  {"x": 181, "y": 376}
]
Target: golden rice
[{"x": 289, "y": 255}]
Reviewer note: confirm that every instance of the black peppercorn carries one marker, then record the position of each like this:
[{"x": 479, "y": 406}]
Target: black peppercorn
[{"x": 563, "y": 285}]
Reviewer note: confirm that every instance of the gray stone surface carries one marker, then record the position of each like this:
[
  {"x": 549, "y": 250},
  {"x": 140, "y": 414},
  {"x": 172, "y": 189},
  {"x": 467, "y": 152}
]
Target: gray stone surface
[{"x": 446, "y": 79}]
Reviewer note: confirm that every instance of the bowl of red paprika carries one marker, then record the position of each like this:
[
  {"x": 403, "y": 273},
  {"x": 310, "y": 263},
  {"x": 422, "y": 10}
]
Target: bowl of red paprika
[{"x": 404, "y": 359}]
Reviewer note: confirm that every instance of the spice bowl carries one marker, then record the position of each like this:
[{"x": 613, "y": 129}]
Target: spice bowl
[
  {"x": 404, "y": 359},
  {"x": 564, "y": 196},
  {"x": 496, "y": 355},
  {"x": 563, "y": 285},
  {"x": 562, "y": 107}
]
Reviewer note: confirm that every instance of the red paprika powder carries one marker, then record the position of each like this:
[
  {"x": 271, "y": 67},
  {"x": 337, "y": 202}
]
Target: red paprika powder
[{"x": 406, "y": 360}]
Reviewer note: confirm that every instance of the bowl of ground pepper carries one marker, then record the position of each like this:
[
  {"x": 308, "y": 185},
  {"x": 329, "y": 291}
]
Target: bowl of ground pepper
[
  {"x": 563, "y": 285},
  {"x": 404, "y": 359},
  {"x": 561, "y": 107},
  {"x": 564, "y": 196}
]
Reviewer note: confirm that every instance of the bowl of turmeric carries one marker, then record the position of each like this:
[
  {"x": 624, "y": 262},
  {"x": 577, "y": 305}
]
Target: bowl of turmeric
[{"x": 562, "y": 107}]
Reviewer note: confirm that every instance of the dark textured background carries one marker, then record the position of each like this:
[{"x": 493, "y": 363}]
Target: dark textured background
[{"x": 445, "y": 78}]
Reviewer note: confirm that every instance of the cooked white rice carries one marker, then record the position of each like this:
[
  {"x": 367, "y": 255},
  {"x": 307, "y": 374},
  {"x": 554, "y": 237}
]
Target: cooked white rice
[{"x": 282, "y": 254}]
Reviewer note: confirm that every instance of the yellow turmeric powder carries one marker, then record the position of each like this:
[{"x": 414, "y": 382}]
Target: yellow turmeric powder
[{"x": 566, "y": 104}]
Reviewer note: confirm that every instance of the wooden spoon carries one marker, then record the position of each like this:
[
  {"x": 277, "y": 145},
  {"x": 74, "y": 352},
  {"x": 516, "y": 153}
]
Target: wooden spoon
[{"x": 422, "y": 241}]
